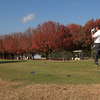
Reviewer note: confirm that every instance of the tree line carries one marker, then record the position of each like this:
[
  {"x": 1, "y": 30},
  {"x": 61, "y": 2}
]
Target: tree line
[{"x": 46, "y": 39}]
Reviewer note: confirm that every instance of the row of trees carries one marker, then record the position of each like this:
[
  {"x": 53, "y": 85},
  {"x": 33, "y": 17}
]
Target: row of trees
[{"x": 48, "y": 38}]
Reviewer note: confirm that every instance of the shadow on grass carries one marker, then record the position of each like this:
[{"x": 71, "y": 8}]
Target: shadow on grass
[{"x": 2, "y": 62}]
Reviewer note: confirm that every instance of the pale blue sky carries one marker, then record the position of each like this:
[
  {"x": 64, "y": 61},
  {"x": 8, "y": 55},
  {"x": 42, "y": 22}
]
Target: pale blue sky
[{"x": 19, "y": 15}]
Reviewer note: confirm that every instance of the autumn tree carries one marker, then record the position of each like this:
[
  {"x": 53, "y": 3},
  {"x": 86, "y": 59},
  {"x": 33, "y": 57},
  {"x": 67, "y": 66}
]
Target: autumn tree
[
  {"x": 96, "y": 22},
  {"x": 50, "y": 37},
  {"x": 63, "y": 38},
  {"x": 43, "y": 37},
  {"x": 1, "y": 47},
  {"x": 23, "y": 46},
  {"x": 87, "y": 34},
  {"x": 29, "y": 34},
  {"x": 76, "y": 32},
  {"x": 9, "y": 45}
]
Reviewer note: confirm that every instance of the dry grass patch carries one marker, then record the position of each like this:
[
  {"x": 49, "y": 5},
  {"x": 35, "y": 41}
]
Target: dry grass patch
[{"x": 35, "y": 91}]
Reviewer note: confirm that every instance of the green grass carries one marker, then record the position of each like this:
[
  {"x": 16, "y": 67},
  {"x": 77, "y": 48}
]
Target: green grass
[{"x": 67, "y": 72}]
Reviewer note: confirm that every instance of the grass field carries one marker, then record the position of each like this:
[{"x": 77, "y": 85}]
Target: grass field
[
  {"x": 52, "y": 80},
  {"x": 59, "y": 72}
]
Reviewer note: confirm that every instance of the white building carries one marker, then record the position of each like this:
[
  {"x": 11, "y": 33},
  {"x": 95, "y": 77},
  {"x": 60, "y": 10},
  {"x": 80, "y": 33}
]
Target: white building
[{"x": 37, "y": 56}]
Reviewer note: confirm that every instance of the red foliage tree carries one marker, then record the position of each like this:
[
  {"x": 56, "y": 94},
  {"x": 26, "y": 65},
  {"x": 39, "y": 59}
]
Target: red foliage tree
[
  {"x": 51, "y": 36},
  {"x": 96, "y": 22},
  {"x": 76, "y": 32},
  {"x": 63, "y": 38},
  {"x": 9, "y": 44},
  {"x": 23, "y": 46},
  {"x": 29, "y": 34},
  {"x": 87, "y": 34},
  {"x": 43, "y": 37},
  {"x": 1, "y": 46}
]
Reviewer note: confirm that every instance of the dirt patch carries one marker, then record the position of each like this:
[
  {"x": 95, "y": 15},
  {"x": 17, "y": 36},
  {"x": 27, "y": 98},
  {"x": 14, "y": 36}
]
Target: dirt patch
[{"x": 18, "y": 91}]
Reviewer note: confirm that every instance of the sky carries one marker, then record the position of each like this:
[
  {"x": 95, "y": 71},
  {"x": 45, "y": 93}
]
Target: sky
[{"x": 19, "y": 15}]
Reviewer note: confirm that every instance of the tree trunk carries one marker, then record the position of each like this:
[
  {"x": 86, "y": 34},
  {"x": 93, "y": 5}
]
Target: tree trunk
[
  {"x": 21, "y": 56},
  {"x": 12, "y": 56},
  {"x": 5, "y": 56},
  {"x": 47, "y": 55},
  {"x": 33, "y": 56},
  {"x": 51, "y": 55}
]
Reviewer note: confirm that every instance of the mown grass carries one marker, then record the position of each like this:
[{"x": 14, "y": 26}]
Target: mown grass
[{"x": 59, "y": 72}]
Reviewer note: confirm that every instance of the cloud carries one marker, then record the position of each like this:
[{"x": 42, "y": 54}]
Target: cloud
[{"x": 27, "y": 18}]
